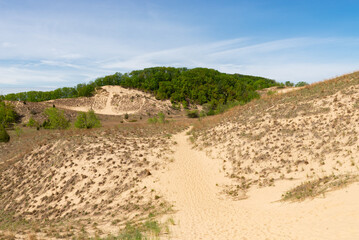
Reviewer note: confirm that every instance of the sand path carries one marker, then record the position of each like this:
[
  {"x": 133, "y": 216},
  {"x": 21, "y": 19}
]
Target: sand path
[{"x": 203, "y": 213}]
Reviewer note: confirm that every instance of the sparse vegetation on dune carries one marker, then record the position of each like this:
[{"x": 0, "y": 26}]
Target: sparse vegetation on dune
[
  {"x": 304, "y": 134},
  {"x": 87, "y": 120},
  {"x": 84, "y": 180},
  {"x": 64, "y": 182}
]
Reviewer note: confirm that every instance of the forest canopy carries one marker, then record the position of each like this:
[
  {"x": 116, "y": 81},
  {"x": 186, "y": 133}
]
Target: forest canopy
[{"x": 180, "y": 85}]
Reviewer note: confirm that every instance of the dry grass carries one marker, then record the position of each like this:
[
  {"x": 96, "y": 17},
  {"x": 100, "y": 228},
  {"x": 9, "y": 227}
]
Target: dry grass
[
  {"x": 320, "y": 186},
  {"x": 82, "y": 178}
]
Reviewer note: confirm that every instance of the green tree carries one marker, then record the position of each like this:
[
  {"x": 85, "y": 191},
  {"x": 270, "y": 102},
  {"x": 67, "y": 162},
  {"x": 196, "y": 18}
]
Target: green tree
[
  {"x": 289, "y": 84},
  {"x": 55, "y": 119},
  {"x": 180, "y": 85}
]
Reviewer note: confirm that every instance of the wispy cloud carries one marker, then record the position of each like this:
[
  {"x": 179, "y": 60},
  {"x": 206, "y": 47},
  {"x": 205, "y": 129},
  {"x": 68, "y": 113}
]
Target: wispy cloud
[
  {"x": 15, "y": 76},
  {"x": 295, "y": 59}
]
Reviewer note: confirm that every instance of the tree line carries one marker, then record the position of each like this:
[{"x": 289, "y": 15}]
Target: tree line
[{"x": 180, "y": 85}]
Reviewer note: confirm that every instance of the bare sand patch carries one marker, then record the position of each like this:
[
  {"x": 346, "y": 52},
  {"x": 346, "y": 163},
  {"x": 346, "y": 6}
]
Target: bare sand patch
[{"x": 116, "y": 100}]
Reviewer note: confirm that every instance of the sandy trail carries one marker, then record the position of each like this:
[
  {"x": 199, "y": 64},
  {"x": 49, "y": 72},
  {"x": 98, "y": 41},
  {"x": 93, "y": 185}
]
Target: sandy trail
[{"x": 203, "y": 213}]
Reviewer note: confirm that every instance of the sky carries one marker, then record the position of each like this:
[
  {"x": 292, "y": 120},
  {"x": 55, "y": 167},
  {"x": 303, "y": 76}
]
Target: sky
[{"x": 46, "y": 44}]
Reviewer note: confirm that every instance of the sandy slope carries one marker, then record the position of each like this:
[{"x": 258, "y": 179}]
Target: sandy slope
[
  {"x": 192, "y": 184},
  {"x": 116, "y": 100}
]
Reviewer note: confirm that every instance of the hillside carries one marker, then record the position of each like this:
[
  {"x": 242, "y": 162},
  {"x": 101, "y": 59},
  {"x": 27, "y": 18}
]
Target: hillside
[
  {"x": 302, "y": 134},
  {"x": 116, "y": 100},
  {"x": 83, "y": 180},
  {"x": 298, "y": 146},
  {"x": 284, "y": 166}
]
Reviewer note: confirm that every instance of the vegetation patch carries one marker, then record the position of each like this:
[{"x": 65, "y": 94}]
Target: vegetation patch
[
  {"x": 314, "y": 188},
  {"x": 55, "y": 119},
  {"x": 87, "y": 120},
  {"x": 160, "y": 118},
  {"x": 180, "y": 85},
  {"x": 32, "y": 123},
  {"x": 151, "y": 229},
  {"x": 4, "y": 136},
  {"x": 7, "y": 114}
]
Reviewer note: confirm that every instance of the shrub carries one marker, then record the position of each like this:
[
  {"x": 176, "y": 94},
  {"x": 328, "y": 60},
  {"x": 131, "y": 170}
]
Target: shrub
[
  {"x": 4, "y": 136},
  {"x": 160, "y": 118},
  {"x": 92, "y": 120},
  {"x": 193, "y": 114},
  {"x": 87, "y": 120},
  {"x": 7, "y": 114},
  {"x": 55, "y": 119},
  {"x": 81, "y": 120},
  {"x": 153, "y": 120},
  {"x": 32, "y": 123},
  {"x": 301, "y": 84},
  {"x": 126, "y": 116},
  {"x": 269, "y": 93},
  {"x": 289, "y": 84}
]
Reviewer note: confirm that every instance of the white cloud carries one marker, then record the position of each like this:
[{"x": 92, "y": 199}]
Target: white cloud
[
  {"x": 18, "y": 76},
  {"x": 295, "y": 59},
  {"x": 60, "y": 64}
]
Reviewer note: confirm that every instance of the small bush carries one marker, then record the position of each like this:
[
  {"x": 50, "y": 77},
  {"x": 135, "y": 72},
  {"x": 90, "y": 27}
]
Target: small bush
[
  {"x": 55, "y": 119},
  {"x": 7, "y": 114},
  {"x": 152, "y": 120},
  {"x": 32, "y": 123},
  {"x": 193, "y": 114},
  {"x": 160, "y": 118},
  {"x": 126, "y": 116},
  {"x": 18, "y": 131},
  {"x": 271, "y": 93},
  {"x": 87, "y": 120},
  {"x": 289, "y": 84},
  {"x": 4, "y": 136},
  {"x": 92, "y": 120},
  {"x": 301, "y": 84}
]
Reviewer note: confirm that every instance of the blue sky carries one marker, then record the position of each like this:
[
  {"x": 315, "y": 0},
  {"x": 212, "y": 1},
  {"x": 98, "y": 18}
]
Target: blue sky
[{"x": 50, "y": 44}]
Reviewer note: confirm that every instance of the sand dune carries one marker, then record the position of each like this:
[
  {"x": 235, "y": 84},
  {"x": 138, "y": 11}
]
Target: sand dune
[
  {"x": 193, "y": 182},
  {"x": 116, "y": 100}
]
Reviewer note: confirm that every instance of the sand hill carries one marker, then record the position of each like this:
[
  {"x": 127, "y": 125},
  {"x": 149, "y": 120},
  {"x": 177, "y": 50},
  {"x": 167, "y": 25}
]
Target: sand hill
[
  {"x": 282, "y": 167},
  {"x": 116, "y": 100}
]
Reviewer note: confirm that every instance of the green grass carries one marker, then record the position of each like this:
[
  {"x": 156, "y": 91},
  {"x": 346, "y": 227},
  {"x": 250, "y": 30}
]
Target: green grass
[
  {"x": 148, "y": 230},
  {"x": 9, "y": 222}
]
